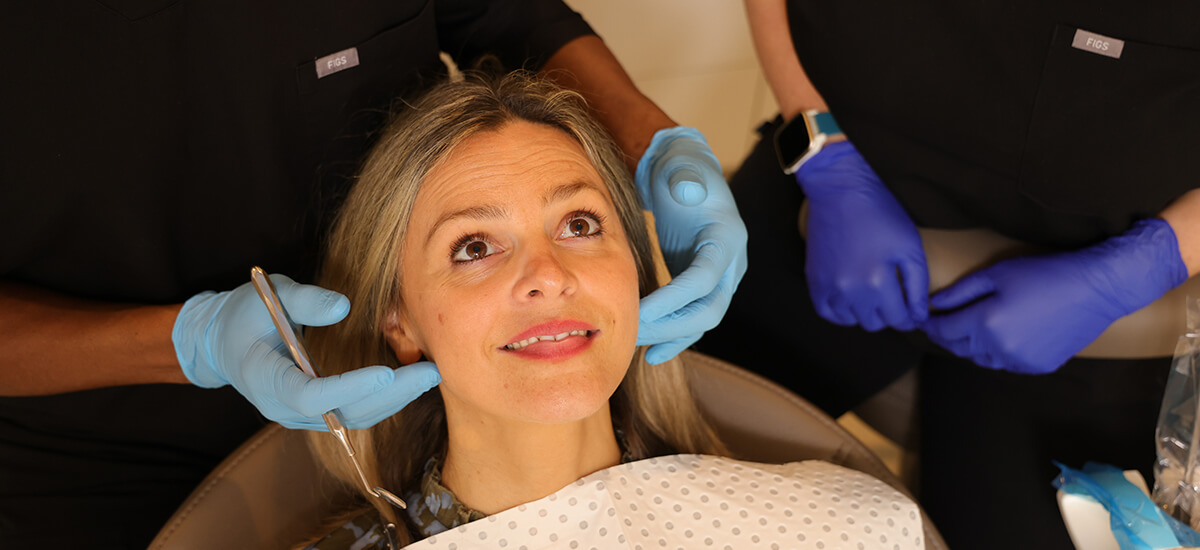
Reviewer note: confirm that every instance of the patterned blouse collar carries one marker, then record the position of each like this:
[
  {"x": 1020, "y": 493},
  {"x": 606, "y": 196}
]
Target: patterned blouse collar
[{"x": 435, "y": 508}]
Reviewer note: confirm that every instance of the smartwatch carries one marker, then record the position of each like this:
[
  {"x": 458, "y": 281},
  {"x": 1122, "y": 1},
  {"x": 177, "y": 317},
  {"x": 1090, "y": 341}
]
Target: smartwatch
[{"x": 804, "y": 136}]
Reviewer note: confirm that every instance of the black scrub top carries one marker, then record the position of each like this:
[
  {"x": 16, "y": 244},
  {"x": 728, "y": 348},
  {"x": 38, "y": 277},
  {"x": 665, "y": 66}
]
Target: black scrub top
[
  {"x": 983, "y": 113},
  {"x": 153, "y": 149}
]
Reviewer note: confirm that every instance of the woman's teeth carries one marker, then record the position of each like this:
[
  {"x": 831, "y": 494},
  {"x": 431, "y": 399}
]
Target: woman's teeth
[{"x": 515, "y": 346}]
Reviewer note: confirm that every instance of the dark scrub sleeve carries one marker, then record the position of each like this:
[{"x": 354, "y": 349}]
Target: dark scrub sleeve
[{"x": 521, "y": 33}]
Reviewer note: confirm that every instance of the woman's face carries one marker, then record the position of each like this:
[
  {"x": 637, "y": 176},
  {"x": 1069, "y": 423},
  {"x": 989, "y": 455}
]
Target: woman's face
[{"x": 517, "y": 279}]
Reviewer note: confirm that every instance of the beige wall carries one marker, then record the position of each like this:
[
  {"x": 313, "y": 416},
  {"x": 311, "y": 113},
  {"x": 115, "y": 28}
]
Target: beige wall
[{"x": 695, "y": 59}]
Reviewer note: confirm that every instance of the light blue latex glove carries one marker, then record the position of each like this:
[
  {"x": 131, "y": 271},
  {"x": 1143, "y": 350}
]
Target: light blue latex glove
[
  {"x": 1030, "y": 315},
  {"x": 228, "y": 338},
  {"x": 702, "y": 237},
  {"x": 864, "y": 261}
]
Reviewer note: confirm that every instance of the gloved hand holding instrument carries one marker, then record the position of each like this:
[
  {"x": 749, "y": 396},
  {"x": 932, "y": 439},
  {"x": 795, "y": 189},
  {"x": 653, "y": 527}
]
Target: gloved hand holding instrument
[
  {"x": 295, "y": 347},
  {"x": 228, "y": 338}
]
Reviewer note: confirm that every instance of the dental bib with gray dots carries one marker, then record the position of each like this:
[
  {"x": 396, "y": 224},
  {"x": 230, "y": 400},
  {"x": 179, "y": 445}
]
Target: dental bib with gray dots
[{"x": 696, "y": 502}]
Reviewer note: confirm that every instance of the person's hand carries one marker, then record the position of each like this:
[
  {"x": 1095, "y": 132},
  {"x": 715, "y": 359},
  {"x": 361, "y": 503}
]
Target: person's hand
[
  {"x": 228, "y": 338},
  {"x": 1030, "y": 315},
  {"x": 864, "y": 261},
  {"x": 702, "y": 237}
]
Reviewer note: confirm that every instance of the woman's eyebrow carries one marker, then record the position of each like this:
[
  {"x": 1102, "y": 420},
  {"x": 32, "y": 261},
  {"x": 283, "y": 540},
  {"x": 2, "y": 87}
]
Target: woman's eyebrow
[
  {"x": 491, "y": 212},
  {"x": 568, "y": 190},
  {"x": 481, "y": 212}
]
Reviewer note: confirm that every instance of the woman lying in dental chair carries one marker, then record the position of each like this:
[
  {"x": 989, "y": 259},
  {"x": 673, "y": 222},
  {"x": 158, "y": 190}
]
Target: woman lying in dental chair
[{"x": 493, "y": 230}]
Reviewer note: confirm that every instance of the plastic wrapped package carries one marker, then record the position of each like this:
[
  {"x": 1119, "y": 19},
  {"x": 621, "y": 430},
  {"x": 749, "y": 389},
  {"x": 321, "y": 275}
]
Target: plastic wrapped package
[{"x": 1177, "y": 470}]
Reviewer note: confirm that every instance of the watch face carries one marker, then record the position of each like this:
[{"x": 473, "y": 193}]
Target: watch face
[{"x": 791, "y": 142}]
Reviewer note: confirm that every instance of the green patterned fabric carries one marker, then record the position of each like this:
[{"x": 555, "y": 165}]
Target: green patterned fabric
[
  {"x": 364, "y": 532},
  {"x": 435, "y": 508},
  {"x": 431, "y": 510}
]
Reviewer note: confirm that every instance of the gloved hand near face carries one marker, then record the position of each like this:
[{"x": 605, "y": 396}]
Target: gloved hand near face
[
  {"x": 864, "y": 262},
  {"x": 228, "y": 338},
  {"x": 1030, "y": 315},
  {"x": 702, "y": 237}
]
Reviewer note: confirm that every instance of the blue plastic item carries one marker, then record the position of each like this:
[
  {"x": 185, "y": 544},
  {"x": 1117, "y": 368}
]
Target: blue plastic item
[{"x": 1137, "y": 523}]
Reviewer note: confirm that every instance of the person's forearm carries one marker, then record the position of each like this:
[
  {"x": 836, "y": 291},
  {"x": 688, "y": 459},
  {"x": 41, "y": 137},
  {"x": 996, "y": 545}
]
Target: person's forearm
[
  {"x": 1184, "y": 217},
  {"x": 587, "y": 66},
  {"x": 777, "y": 54},
  {"x": 50, "y": 343}
]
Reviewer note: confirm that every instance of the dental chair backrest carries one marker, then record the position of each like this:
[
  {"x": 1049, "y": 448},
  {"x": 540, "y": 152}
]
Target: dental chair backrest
[{"x": 269, "y": 492}]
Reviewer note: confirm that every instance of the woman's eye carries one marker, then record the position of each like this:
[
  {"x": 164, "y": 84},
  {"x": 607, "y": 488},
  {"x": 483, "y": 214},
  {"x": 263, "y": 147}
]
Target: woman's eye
[
  {"x": 581, "y": 225},
  {"x": 471, "y": 250}
]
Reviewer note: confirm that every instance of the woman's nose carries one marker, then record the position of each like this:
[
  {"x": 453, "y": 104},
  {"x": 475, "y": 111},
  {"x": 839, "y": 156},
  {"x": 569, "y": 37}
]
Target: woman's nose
[{"x": 543, "y": 275}]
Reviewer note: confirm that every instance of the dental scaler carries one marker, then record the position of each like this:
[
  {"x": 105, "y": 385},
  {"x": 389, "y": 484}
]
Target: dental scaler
[{"x": 333, "y": 418}]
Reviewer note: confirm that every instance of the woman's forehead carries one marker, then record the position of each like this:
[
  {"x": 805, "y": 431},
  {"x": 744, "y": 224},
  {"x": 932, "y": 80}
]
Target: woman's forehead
[{"x": 519, "y": 160}]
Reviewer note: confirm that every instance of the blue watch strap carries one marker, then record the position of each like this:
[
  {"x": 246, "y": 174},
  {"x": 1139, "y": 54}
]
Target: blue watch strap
[{"x": 826, "y": 124}]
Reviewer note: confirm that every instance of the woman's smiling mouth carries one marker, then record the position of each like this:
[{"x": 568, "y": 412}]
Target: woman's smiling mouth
[
  {"x": 518, "y": 346},
  {"x": 553, "y": 340}
]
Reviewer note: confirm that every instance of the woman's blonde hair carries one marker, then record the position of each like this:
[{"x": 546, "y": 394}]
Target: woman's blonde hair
[{"x": 653, "y": 406}]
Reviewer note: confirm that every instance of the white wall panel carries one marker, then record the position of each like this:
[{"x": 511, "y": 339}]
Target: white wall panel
[{"x": 695, "y": 59}]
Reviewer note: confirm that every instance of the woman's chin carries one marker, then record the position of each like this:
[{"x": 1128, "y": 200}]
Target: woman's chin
[
  {"x": 533, "y": 391},
  {"x": 560, "y": 407}
]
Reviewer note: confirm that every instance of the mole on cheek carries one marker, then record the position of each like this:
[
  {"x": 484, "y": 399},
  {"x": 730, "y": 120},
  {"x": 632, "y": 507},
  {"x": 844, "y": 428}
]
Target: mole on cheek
[{"x": 440, "y": 320}]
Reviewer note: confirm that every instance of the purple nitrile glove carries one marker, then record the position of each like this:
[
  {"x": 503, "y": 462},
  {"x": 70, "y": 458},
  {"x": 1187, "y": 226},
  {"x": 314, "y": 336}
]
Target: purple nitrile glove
[
  {"x": 865, "y": 265},
  {"x": 1030, "y": 315}
]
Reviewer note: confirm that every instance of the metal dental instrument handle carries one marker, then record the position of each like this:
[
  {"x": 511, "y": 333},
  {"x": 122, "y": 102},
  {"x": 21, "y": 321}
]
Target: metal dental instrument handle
[
  {"x": 393, "y": 538},
  {"x": 333, "y": 420}
]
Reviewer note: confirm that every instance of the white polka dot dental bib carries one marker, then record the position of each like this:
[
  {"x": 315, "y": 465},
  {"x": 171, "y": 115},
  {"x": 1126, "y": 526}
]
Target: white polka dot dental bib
[{"x": 697, "y": 502}]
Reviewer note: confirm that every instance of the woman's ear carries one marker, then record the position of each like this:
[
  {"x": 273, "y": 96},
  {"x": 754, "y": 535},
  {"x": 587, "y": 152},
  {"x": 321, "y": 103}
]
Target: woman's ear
[{"x": 406, "y": 350}]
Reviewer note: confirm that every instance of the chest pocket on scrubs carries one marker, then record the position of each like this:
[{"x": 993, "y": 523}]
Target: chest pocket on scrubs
[
  {"x": 1111, "y": 137},
  {"x": 340, "y": 113},
  {"x": 386, "y": 61}
]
